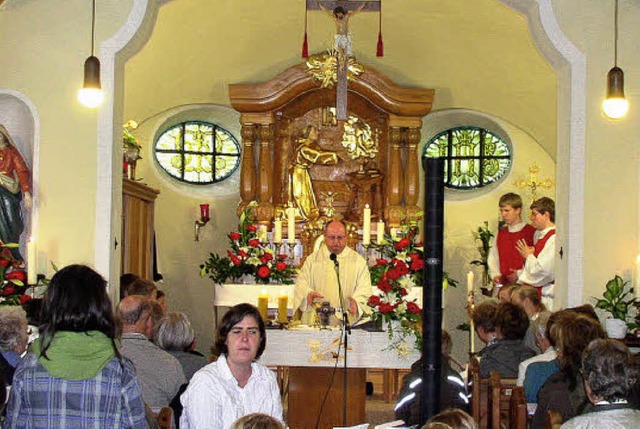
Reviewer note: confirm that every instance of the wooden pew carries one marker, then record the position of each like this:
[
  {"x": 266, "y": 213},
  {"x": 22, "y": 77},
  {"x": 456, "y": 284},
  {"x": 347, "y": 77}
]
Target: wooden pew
[
  {"x": 553, "y": 420},
  {"x": 500, "y": 391},
  {"x": 478, "y": 388},
  {"x": 518, "y": 408}
]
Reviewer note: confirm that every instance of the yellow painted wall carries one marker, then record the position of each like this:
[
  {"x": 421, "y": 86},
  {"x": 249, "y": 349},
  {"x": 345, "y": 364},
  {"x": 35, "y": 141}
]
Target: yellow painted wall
[{"x": 44, "y": 45}]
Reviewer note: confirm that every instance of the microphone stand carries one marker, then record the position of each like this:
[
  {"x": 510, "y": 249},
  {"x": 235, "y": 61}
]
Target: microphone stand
[{"x": 346, "y": 330}]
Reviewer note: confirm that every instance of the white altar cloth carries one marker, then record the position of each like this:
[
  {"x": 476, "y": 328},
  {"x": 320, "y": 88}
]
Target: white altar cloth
[
  {"x": 317, "y": 348},
  {"x": 228, "y": 295}
]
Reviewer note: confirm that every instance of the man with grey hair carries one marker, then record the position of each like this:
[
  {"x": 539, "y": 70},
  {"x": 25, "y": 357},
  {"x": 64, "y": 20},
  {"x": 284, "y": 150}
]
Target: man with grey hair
[
  {"x": 609, "y": 374},
  {"x": 160, "y": 375},
  {"x": 13, "y": 338}
]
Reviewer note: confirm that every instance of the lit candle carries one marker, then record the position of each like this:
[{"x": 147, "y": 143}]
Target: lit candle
[
  {"x": 262, "y": 233},
  {"x": 470, "y": 278},
  {"x": 32, "y": 264},
  {"x": 366, "y": 226},
  {"x": 263, "y": 304},
  {"x": 380, "y": 232},
  {"x": 291, "y": 224},
  {"x": 277, "y": 231},
  {"x": 283, "y": 310}
]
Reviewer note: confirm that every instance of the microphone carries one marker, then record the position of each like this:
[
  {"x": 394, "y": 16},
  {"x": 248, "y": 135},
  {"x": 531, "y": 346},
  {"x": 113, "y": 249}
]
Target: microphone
[{"x": 334, "y": 258}]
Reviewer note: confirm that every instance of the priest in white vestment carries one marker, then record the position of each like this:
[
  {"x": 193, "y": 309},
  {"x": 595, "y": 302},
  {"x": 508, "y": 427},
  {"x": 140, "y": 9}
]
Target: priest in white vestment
[{"x": 318, "y": 278}]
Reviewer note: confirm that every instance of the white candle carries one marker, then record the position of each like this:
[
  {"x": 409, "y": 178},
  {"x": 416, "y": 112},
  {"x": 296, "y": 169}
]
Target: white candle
[
  {"x": 472, "y": 336},
  {"x": 470, "y": 278},
  {"x": 262, "y": 233},
  {"x": 32, "y": 264},
  {"x": 366, "y": 226},
  {"x": 380, "y": 232},
  {"x": 277, "y": 231},
  {"x": 291, "y": 224},
  {"x": 393, "y": 232}
]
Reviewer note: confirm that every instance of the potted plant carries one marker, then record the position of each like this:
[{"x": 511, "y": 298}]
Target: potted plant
[{"x": 617, "y": 301}]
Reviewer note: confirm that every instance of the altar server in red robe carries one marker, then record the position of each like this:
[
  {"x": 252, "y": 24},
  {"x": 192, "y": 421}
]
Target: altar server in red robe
[
  {"x": 504, "y": 258},
  {"x": 538, "y": 270}
]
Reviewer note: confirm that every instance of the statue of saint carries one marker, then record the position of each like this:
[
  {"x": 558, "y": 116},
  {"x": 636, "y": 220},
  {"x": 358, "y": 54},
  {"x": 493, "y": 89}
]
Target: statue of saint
[
  {"x": 15, "y": 184},
  {"x": 307, "y": 153}
]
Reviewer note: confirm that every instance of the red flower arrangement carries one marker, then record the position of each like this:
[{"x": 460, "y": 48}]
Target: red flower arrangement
[
  {"x": 13, "y": 278},
  {"x": 248, "y": 256},
  {"x": 399, "y": 269}
]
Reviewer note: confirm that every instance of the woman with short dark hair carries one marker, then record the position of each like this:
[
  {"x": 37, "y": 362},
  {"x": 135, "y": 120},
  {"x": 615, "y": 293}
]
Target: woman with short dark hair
[
  {"x": 234, "y": 385},
  {"x": 75, "y": 376}
]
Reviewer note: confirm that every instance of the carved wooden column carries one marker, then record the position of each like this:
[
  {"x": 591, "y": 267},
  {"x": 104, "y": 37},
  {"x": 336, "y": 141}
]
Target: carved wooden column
[
  {"x": 265, "y": 174},
  {"x": 248, "y": 165},
  {"x": 394, "y": 212},
  {"x": 281, "y": 157},
  {"x": 411, "y": 177}
]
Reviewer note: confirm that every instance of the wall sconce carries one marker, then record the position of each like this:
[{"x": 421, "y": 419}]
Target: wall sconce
[
  {"x": 615, "y": 106},
  {"x": 91, "y": 95},
  {"x": 204, "y": 218}
]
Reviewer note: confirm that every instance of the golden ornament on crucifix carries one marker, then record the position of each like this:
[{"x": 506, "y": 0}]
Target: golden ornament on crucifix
[{"x": 533, "y": 183}]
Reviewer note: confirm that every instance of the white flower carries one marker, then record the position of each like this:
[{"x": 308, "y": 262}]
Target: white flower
[{"x": 253, "y": 260}]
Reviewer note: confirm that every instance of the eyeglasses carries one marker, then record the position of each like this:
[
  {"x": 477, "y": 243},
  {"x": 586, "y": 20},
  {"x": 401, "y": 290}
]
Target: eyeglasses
[{"x": 335, "y": 237}]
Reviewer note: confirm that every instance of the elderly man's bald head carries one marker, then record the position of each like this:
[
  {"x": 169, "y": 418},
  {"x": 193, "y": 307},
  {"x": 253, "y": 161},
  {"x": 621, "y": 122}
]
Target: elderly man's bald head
[{"x": 133, "y": 309}]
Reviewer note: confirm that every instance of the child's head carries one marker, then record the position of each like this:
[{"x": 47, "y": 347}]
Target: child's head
[{"x": 510, "y": 208}]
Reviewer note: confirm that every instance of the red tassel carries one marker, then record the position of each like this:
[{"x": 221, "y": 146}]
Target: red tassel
[
  {"x": 380, "y": 50},
  {"x": 305, "y": 47},
  {"x": 305, "y": 44}
]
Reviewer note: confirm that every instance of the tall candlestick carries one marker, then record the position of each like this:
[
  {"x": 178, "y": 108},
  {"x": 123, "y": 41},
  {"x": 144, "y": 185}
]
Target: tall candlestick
[
  {"x": 366, "y": 226},
  {"x": 470, "y": 298},
  {"x": 380, "y": 232},
  {"x": 283, "y": 310},
  {"x": 263, "y": 304},
  {"x": 277, "y": 231},
  {"x": 291, "y": 224},
  {"x": 470, "y": 279},
  {"x": 472, "y": 336},
  {"x": 32, "y": 262}
]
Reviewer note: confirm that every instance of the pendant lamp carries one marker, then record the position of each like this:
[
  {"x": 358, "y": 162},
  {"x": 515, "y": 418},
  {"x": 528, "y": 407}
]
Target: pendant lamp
[
  {"x": 91, "y": 94},
  {"x": 615, "y": 106}
]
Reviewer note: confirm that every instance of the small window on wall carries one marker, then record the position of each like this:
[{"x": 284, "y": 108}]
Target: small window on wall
[
  {"x": 197, "y": 152},
  {"x": 474, "y": 157}
]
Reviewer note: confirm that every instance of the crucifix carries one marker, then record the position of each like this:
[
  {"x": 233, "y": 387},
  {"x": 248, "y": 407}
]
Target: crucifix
[
  {"x": 341, "y": 11},
  {"x": 533, "y": 183}
]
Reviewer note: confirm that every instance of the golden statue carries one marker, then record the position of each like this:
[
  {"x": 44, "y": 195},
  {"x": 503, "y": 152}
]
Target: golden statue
[{"x": 307, "y": 153}]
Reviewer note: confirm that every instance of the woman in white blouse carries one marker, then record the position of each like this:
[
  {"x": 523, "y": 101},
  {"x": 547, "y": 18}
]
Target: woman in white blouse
[{"x": 234, "y": 385}]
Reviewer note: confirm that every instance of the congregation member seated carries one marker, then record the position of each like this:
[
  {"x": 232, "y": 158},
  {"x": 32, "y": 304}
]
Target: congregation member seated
[
  {"x": 258, "y": 421},
  {"x": 451, "y": 419},
  {"x": 160, "y": 375},
  {"x": 543, "y": 343},
  {"x": 175, "y": 335},
  {"x": 527, "y": 297},
  {"x": 505, "y": 292},
  {"x": 161, "y": 297},
  {"x": 505, "y": 354},
  {"x": 125, "y": 281},
  {"x": 74, "y": 376},
  {"x": 141, "y": 287},
  {"x": 609, "y": 375},
  {"x": 564, "y": 391},
  {"x": 484, "y": 320},
  {"x": 453, "y": 392},
  {"x": 13, "y": 339},
  {"x": 235, "y": 384}
]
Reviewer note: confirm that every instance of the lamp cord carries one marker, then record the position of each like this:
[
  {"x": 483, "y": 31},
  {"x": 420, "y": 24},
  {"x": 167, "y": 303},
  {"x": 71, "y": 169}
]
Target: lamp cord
[
  {"x": 93, "y": 25},
  {"x": 615, "y": 32}
]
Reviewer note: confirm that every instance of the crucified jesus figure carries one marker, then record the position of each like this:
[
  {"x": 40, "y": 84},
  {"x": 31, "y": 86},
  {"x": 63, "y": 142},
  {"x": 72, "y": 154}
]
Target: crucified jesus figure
[{"x": 342, "y": 40}]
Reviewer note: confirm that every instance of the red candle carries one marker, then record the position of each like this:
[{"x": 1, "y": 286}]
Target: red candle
[{"x": 204, "y": 212}]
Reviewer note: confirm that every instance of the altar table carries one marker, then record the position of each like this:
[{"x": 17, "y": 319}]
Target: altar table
[{"x": 316, "y": 348}]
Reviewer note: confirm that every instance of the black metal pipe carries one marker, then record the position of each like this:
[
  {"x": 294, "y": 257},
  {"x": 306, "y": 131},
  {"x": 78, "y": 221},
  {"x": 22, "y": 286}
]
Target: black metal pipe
[{"x": 432, "y": 288}]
